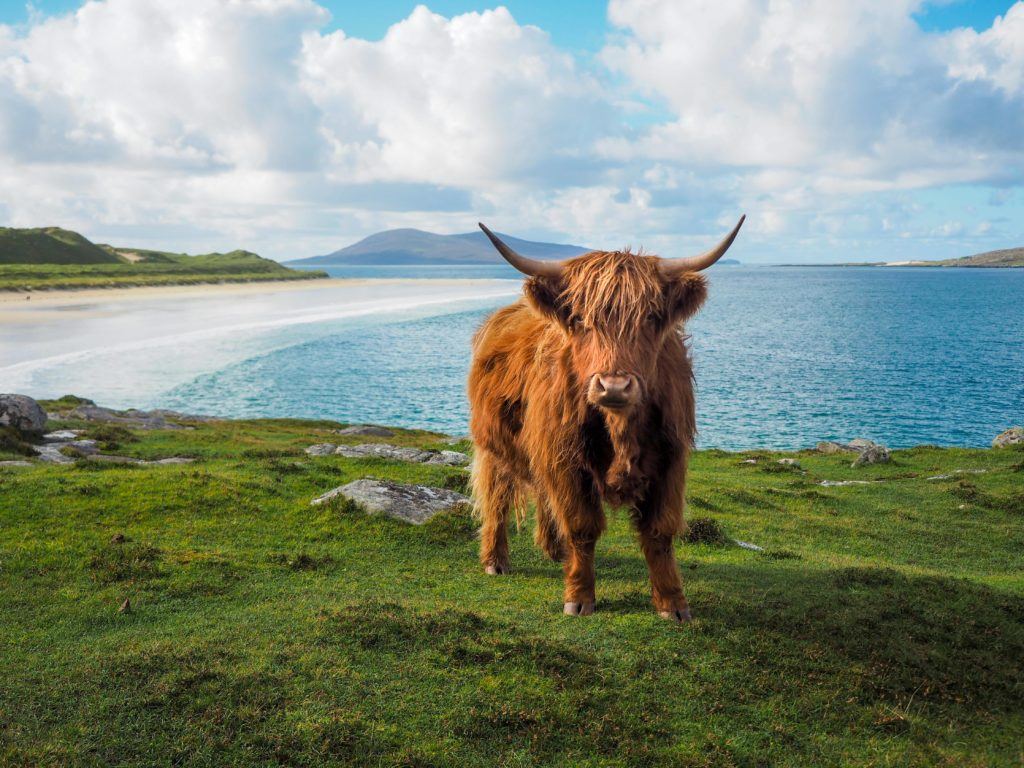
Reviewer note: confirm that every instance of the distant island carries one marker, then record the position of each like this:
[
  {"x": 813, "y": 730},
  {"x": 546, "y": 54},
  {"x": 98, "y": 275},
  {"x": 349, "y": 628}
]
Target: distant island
[
  {"x": 416, "y": 247},
  {"x": 1008, "y": 257},
  {"x": 52, "y": 258}
]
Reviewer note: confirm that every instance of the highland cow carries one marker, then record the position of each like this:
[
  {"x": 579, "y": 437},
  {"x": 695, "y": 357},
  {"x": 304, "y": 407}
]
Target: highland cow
[{"x": 582, "y": 394}]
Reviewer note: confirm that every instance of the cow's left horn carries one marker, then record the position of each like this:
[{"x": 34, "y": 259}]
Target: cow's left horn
[
  {"x": 531, "y": 267},
  {"x": 670, "y": 267}
]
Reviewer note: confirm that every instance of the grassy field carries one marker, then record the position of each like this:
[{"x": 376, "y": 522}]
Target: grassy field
[
  {"x": 234, "y": 267},
  {"x": 882, "y": 625}
]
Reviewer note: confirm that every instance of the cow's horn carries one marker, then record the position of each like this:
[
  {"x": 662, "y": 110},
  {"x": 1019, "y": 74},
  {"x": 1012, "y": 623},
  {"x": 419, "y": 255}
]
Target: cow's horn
[
  {"x": 670, "y": 267},
  {"x": 531, "y": 267}
]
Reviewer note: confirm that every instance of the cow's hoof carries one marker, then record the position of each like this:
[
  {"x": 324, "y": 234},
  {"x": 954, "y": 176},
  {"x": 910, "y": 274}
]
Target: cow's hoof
[
  {"x": 578, "y": 609},
  {"x": 678, "y": 615},
  {"x": 496, "y": 570}
]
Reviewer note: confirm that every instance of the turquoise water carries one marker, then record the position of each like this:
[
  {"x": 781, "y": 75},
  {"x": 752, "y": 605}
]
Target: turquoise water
[{"x": 784, "y": 357}]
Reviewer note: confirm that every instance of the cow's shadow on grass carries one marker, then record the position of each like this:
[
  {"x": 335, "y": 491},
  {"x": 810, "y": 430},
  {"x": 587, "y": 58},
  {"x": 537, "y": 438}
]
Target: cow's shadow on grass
[{"x": 933, "y": 637}]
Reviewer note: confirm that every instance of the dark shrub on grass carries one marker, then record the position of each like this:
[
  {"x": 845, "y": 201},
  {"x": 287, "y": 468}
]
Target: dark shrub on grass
[
  {"x": 119, "y": 561},
  {"x": 705, "y": 530},
  {"x": 110, "y": 437},
  {"x": 12, "y": 442}
]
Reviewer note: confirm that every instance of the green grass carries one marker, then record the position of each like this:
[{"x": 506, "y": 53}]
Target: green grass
[
  {"x": 883, "y": 625},
  {"x": 235, "y": 267}
]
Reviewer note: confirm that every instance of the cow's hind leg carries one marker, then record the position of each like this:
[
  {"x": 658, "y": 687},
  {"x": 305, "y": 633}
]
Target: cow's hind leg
[
  {"x": 546, "y": 535},
  {"x": 495, "y": 490}
]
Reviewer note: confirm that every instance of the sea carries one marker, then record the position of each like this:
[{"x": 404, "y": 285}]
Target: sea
[{"x": 784, "y": 356}]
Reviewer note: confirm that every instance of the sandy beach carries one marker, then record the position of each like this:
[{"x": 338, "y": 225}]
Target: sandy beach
[
  {"x": 20, "y": 307},
  {"x": 11, "y": 301}
]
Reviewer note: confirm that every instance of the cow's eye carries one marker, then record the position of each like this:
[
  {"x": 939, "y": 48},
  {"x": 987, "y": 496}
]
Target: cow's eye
[
  {"x": 575, "y": 325},
  {"x": 653, "y": 318}
]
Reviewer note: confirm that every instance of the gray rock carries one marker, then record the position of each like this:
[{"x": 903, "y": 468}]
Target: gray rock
[
  {"x": 80, "y": 447},
  {"x": 155, "y": 419},
  {"x": 321, "y": 449},
  {"x": 868, "y": 451},
  {"x": 789, "y": 463},
  {"x": 414, "y": 504},
  {"x": 383, "y": 451},
  {"x": 15, "y": 463},
  {"x": 51, "y": 454},
  {"x": 449, "y": 458},
  {"x": 843, "y": 483},
  {"x": 22, "y": 413},
  {"x": 371, "y": 430},
  {"x": 169, "y": 460},
  {"x": 873, "y": 454},
  {"x": 61, "y": 435},
  {"x": 393, "y": 452},
  {"x": 1012, "y": 436}
]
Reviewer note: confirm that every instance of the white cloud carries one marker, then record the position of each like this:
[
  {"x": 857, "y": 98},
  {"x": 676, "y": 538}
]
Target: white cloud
[{"x": 218, "y": 123}]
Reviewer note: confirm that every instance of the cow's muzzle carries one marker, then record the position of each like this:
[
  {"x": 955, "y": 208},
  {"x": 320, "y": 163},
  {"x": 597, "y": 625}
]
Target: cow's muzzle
[{"x": 614, "y": 391}]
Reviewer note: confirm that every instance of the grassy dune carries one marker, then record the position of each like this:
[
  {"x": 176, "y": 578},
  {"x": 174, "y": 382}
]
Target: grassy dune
[
  {"x": 883, "y": 624},
  {"x": 50, "y": 258}
]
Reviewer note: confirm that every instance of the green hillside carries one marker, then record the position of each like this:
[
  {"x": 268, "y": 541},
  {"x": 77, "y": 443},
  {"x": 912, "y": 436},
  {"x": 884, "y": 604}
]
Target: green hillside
[
  {"x": 50, "y": 245},
  {"x": 881, "y": 625},
  {"x": 1008, "y": 257},
  {"x": 52, "y": 258}
]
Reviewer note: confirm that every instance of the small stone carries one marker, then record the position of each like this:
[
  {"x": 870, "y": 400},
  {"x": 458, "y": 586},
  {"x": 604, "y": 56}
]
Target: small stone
[
  {"x": 414, "y": 504},
  {"x": 170, "y": 460},
  {"x": 449, "y": 458},
  {"x": 51, "y": 454},
  {"x": 371, "y": 430},
  {"x": 749, "y": 461},
  {"x": 1012, "y": 436},
  {"x": 61, "y": 436},
  {"x": 321, "y": 449},
  {"x": 15, "y": 463},
  {"x": 842, "y": 483},
  {"x": 118, "y": 538},
  {"x": 789, "y": 463},
  {"x": 126, "y": 606}
]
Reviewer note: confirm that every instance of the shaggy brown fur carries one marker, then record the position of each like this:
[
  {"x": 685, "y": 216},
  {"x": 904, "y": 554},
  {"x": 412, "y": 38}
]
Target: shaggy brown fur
[{"x": 537, "y": 434}]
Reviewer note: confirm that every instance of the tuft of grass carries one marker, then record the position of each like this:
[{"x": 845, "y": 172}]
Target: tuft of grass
[
  {"x": 301, "y": 561},
  {"x": 705, "y": 530},
  {"x": 124, "y": 561},
  {"x": 110, "y": 437}
]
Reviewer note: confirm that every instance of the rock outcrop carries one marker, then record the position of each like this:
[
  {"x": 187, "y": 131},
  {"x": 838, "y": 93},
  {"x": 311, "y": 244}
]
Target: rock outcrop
[
  {"x": 414, "y": 504},
  {"x": 155, "y": 419},
  {"x": 868, "y": 451},
  {"x": 1012, "y": 436},
  {"x": 23, "y": 414},
  {"x": 371, "y": 430},
  {"x": 394, "y": 452}
]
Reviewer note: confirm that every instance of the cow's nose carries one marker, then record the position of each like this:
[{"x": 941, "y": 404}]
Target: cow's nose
[{"x": 615, "y": 390}]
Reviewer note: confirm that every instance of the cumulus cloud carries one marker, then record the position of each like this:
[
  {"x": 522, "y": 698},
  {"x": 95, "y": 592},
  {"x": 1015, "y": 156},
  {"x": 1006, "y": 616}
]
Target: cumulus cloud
[{"x": 216, "y": 123}]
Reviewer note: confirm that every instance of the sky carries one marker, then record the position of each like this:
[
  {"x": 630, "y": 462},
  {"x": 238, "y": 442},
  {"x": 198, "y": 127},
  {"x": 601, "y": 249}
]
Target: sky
[{"x": 861, "y": 130}]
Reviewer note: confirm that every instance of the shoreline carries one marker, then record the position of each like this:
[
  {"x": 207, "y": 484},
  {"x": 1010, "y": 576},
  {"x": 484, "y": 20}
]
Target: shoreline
[{"x": 18, "y": 302}]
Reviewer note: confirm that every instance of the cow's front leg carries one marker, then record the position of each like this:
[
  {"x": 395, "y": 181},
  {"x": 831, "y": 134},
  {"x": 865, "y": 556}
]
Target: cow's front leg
[
  {"x": 666, "y": 584},
  {"x": 576, "y": 510},
  {"x": 579, "y": 572},
  {"x": 659, "y": 518}
]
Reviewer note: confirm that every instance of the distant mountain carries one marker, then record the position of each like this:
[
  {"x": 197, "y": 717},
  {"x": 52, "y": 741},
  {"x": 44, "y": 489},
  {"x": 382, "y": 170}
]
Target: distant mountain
[
  {"x": 51, "y": 245},
  {"x": 414, "y": 246}
]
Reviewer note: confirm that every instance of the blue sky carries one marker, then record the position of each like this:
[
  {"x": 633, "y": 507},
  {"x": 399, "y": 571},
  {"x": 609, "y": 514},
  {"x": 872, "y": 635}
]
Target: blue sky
[{"x": 875, "y": 130}]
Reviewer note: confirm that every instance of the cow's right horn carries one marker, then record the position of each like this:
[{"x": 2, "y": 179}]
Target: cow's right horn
[{"x": 531, "y": 267}]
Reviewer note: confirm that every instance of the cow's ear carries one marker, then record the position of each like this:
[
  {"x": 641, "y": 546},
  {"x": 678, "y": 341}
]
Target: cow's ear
[
  {"x": 545, "y": 296},
  {"x": 684, "y": 296}
]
